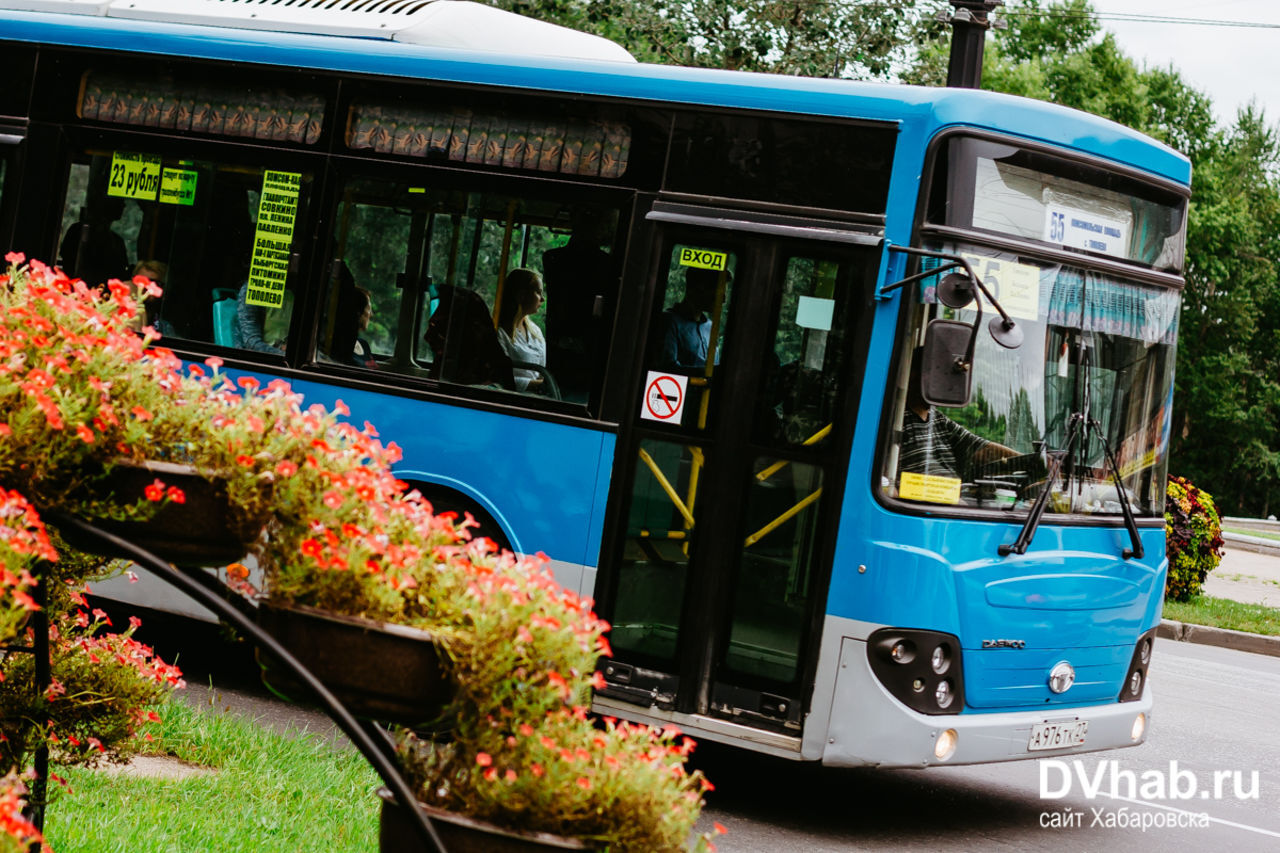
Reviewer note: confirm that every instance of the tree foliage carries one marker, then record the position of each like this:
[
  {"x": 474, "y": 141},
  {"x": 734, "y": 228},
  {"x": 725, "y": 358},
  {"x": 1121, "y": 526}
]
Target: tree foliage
[{"x": 816, "y": 38}]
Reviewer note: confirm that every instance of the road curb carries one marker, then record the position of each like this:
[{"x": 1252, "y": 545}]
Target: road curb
[
  {"x": 1258, "y": 644},
  {"x": 1257, "y": 544}
]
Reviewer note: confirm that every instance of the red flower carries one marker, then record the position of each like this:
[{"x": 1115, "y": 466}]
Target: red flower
[
  {"x": 155, "y": 491},
  {"x": 312, "y": 548},
  {"x": 141, "y": 413},
  {"x": 484, "y": 759},
  {"x": 85, "y": 434},
  {"x": 584, "y": 783},
  {"x": 176, "y": 495}
]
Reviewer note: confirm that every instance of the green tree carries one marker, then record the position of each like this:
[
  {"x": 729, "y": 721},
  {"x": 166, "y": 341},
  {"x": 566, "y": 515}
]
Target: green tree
[{"x": 816, "y": 38}]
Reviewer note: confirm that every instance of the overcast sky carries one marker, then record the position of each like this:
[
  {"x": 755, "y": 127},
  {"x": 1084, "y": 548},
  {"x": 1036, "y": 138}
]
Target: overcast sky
[{"x": 1232, "y": 64}]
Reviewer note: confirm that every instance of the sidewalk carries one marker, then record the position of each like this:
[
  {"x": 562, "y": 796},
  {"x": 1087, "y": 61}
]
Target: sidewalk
[
  {"x": 1248, "y": 576},
  {"x": 1249, "y": 573}
]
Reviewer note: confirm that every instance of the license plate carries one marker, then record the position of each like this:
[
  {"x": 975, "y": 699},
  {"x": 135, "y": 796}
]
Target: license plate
[{"x": 1057, "y": 735}]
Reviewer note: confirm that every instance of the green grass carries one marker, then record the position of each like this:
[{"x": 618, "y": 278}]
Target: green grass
[
  {"x": 1262, "y": 534},
  {"x": 1224, "y": 613},
  {"x": 272, "y": 792}
]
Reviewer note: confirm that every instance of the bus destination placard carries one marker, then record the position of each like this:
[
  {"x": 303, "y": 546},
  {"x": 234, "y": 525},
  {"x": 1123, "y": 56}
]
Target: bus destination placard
[{"x": 277, "y": 211}]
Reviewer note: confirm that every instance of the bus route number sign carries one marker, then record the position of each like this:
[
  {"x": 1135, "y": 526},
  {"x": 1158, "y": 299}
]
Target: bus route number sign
[
  {"x": 664, "y": 396},
  {"x": 703, "y": 259}
]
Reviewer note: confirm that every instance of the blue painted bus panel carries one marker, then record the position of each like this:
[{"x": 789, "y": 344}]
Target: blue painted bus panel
[
  {"x": 540, "y": 480},
  {"x": 1000, "y": 679},
  {"x": 1071, "y": 597}
]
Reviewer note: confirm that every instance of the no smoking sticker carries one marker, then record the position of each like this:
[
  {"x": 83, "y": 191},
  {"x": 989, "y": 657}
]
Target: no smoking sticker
[{"x": 664, "y": 397}]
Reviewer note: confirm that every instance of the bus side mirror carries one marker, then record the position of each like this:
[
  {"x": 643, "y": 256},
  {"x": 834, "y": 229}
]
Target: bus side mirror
[{"x": 945, "y": 375}]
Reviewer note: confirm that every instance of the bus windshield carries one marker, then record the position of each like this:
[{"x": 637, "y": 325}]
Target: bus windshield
[{"x": 1096, "y": 346}]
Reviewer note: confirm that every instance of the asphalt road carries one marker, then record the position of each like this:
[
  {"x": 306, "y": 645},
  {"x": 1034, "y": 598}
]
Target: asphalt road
[{"x": 1216, "y": 710}]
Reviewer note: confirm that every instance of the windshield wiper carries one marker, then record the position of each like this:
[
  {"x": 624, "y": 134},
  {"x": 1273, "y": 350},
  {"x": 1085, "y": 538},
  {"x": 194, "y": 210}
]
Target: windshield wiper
[
  {"x": 1130, "y": 524},
  {"x": 1077, "y": 424},
  {"x": 1056, "y": 458}
]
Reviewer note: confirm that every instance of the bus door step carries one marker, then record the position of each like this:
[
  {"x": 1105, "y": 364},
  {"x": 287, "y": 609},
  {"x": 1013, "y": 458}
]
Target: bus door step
[{"x": 638, "y": 686}]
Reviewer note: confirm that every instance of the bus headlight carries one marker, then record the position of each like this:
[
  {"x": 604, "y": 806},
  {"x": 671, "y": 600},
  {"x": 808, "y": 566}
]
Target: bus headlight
[
  {"x": 920, "y": 668},
  {"x": 1136, "y": 678}
]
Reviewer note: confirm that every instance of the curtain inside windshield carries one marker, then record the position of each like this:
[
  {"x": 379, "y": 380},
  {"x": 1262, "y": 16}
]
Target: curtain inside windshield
[{"x": 1098, "y": 353}]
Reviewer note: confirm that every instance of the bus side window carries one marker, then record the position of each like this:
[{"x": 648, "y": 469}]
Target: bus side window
[
  {"x": 198, "y": 222},
  {"x": 473, "y": 289}
]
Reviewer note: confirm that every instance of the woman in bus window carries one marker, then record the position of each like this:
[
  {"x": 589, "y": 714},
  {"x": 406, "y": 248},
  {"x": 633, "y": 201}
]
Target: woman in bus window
[{"x": 521, "y": 339}]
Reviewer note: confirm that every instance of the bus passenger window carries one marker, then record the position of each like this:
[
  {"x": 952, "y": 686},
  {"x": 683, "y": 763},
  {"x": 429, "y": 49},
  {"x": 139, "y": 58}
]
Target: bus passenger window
[
  {"x": 474, "y": 289},
  {"x": 92, "y": 247},
  {"x": 580, "y": 280},
  {"x": 223, "y": 235}
]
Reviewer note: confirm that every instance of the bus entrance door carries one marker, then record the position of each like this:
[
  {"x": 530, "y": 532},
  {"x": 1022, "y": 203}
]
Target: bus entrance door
[{"x": 728, "y": 480}]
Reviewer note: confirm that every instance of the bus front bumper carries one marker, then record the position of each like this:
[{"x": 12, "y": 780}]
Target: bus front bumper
[{"x": 868, "y": 727}]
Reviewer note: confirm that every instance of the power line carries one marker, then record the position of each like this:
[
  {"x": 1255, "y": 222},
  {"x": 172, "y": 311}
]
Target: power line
[{"x": 1139, "y": 18}]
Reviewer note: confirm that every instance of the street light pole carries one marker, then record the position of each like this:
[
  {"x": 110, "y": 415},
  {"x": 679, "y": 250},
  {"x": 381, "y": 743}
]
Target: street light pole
[{"x": 969, "y": 24}]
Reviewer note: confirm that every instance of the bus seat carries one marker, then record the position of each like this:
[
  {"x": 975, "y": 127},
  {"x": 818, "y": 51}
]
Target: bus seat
[{"x": 224, "y": 320}]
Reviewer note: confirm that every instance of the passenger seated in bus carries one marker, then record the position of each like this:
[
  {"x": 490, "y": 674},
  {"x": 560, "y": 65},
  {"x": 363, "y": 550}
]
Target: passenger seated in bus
[
  {"x": 464, "y": 343},
  {"x": 90, "y": 250},
  {"x": 153, "y": 306},
  {"x": 686, "y": 325},
  {"x": 353, "y": 309},
  {"x": 935, "y": 445},
  {"x": 249, "y": 329},
  {"x": 581, "y": 280},
  {"x": 521, "y": 339}
]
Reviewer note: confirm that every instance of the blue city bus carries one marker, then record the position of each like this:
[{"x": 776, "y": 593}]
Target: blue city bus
[{"x": 849, "y": 403}]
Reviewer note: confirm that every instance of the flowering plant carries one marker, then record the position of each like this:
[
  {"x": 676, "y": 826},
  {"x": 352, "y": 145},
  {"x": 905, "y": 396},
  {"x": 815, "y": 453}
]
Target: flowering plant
[
  {"x": 1193, "y": 538},
  {"x": 523, "y": 752},
  {"x": 72, "y": 393},
  {"x": 340, "y": 533},
  {"x": 17, "y": 834},
  {"x": 102, "y": 692}
]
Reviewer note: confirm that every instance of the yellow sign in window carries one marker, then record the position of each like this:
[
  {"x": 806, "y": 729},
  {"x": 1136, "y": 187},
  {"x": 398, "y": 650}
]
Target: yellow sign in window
[
  {"x": 134, "y": 176},
  {"x": 277, "y": 210},
  {"x": 927, "y": 487},
  {"x": 178, "y": 186},
  {"x": 704, "y": 259}
]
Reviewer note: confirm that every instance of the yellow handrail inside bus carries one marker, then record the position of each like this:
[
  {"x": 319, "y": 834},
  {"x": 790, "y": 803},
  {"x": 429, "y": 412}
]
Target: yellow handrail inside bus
[
  {"x": 783, "y": 463},
  {"x": 666, "y": 487},
  {"x": 782, "y": 519}
]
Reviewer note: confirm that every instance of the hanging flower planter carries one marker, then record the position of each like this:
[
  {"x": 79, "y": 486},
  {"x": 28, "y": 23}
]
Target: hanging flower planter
[
  {"x": 397, "y": 833},
  {"x": 190, "y": 527},
  {"x": 377, "y": 671}
]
